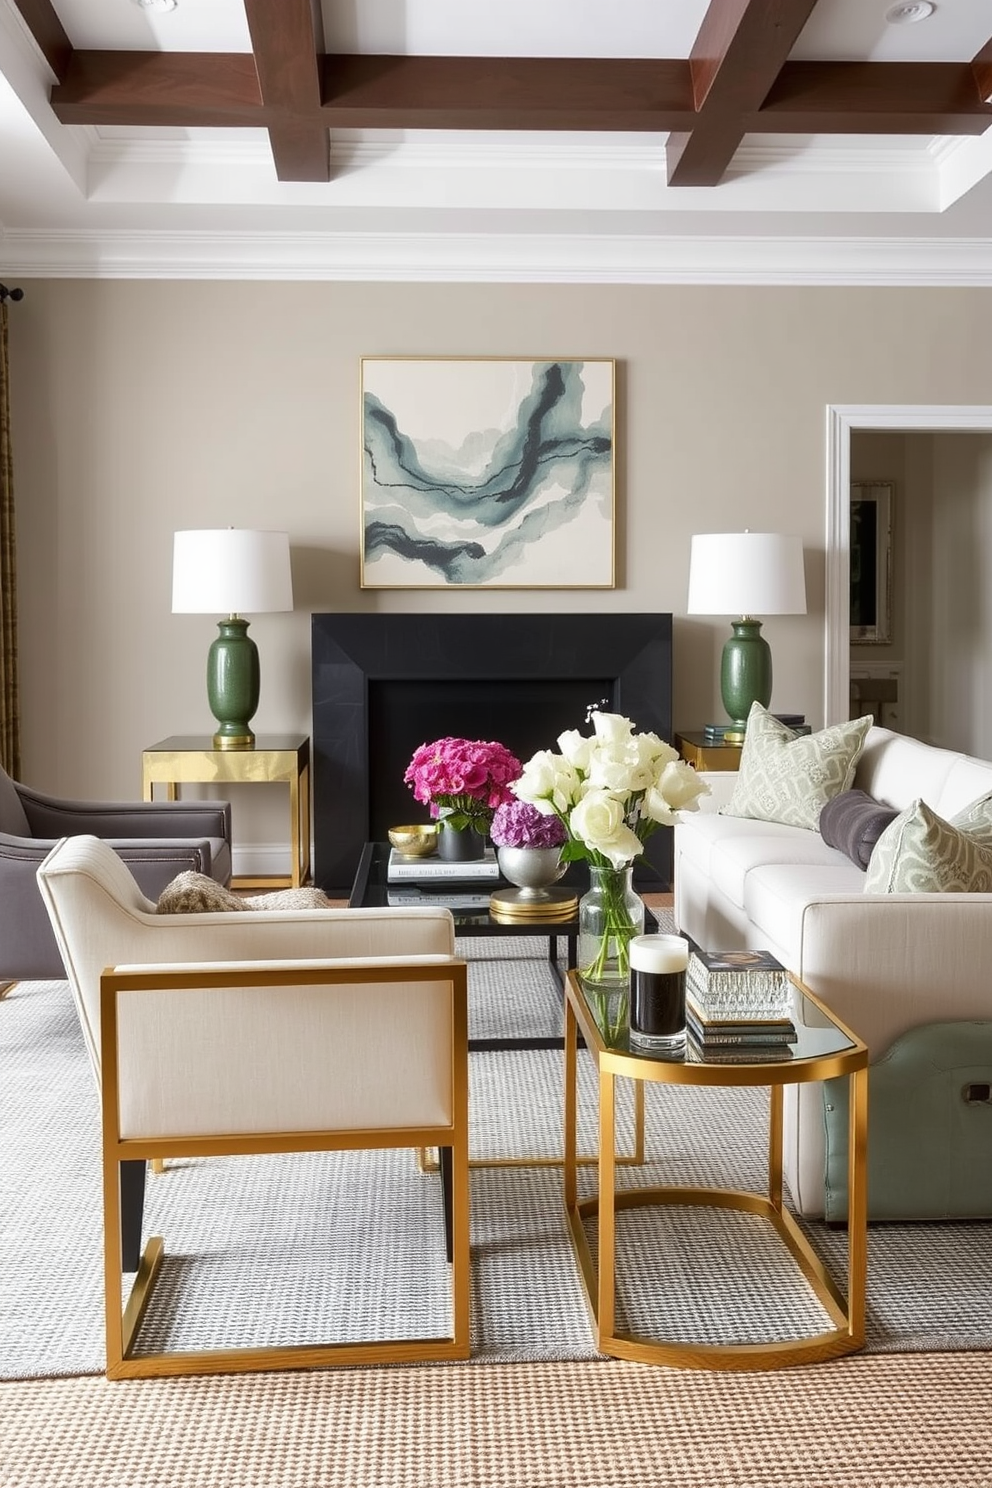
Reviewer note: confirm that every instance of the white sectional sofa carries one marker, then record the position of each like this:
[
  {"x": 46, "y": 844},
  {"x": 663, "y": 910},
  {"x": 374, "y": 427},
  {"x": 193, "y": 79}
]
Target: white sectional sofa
[{"x": 885, "y": 963}]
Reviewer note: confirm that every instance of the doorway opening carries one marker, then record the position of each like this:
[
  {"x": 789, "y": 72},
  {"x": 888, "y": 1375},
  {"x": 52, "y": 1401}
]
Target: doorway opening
[{"x": 842, "y": 422}]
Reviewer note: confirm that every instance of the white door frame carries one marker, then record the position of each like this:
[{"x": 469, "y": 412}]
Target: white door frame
[{"x": 841, "y": 419}]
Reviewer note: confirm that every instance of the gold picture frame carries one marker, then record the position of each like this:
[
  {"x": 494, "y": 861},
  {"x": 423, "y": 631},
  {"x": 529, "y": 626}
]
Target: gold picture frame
[{"x": 488, "y": 473}]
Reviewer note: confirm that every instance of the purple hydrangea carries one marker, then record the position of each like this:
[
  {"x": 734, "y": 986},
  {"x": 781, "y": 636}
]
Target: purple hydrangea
[{"x": 519, "y": 824}]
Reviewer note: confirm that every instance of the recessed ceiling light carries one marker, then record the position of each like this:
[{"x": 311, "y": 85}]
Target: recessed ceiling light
[
  {"x": 908, "y": 13},
  {"x": 166, "y": 5}
]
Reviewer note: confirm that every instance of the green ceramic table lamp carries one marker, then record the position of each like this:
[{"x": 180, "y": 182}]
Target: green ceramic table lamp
[
  {"x": 746, "y": 574},
  {"x": 229, "y": 570}
]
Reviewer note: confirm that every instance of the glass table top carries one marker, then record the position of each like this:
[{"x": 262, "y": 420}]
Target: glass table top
[
  {"x": 818, "y": 1035},
  {"x": 469, "y": 903}
]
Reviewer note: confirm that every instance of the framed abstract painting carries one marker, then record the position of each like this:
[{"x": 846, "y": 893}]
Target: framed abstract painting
[{"x": 491, "y": 473}]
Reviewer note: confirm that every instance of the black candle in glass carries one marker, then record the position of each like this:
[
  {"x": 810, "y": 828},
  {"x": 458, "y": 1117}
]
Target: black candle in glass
[{"x": 657, "y": 993}]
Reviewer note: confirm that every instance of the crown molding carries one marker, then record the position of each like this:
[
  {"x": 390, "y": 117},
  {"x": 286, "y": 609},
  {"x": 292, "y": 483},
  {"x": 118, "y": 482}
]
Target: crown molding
[{"x": 466, "y": 257}]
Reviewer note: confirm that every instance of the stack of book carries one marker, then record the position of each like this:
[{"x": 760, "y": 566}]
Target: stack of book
[
  {"x": 404, "y": 869},
  {"x": 739, "y": 1006},
  {"x": 731, "y": 733},
  {"x": 738, "y": 1040},
  {"x": 435, "y": 881}
]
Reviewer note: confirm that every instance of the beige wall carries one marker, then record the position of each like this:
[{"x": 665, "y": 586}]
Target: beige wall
[{"x": 139, "y": 408}]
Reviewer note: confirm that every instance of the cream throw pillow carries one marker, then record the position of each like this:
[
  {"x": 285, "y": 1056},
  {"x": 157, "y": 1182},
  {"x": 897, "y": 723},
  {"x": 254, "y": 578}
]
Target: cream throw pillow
[
  {"x": 920, "y": 853},
  {"x": 785, "y": 777}
]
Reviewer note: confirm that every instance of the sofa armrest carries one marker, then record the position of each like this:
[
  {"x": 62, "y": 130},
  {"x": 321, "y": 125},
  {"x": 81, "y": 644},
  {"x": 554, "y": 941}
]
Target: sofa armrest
[
  {"x": 886, "y": 963},
  {"x": 721, "y": 784},
  {"x": 53, "y": 818}
]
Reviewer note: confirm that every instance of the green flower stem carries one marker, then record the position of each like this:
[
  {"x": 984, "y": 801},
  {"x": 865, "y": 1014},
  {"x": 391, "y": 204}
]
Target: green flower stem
[
  {"x": 618, "y": 927},
  {"x": 601, "y": 1000}
]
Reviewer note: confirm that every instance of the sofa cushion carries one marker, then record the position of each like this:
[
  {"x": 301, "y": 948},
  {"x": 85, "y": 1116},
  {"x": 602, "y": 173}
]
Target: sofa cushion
[
  {"x": 776, "y": 897},
  {"x": 788, "y": 778},
  {"x": 735, "y": 858},
  {"x": 699, "y": 835},
  {"x": 920, "y": 853},
  {"x": 968, "y": 781},
  {"x": 854, "y": 821},
  {"x": 895, "y": 769}
]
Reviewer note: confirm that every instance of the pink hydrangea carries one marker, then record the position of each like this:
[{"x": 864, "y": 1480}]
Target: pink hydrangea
[
  {"x": 519, "y": 824},
  {"x": 469, "y": 776}
]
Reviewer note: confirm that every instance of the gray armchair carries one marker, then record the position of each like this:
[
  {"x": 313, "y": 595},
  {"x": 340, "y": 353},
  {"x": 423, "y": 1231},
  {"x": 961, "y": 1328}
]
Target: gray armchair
[{"x": 155, "y": 839}]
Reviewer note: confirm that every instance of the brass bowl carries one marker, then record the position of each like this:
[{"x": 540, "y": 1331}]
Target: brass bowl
[{"x": 414, "y": 842}]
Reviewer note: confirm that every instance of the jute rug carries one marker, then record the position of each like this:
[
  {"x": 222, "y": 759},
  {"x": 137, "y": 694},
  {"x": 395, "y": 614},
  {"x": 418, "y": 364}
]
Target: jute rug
[
  {"x": 247, "y": 1237},
  {"x": 868, "y": 1421}
]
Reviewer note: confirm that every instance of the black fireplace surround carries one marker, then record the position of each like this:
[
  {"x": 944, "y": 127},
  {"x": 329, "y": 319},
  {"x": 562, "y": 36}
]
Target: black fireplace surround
[{"x": 383, "y": 684}]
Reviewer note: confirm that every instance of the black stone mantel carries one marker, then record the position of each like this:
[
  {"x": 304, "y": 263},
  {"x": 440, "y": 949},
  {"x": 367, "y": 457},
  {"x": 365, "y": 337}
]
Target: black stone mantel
[{"x": 383, "y": 684}]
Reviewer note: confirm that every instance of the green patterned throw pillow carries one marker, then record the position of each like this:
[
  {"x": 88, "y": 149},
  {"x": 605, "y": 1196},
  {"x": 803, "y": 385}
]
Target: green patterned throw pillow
[
  {"x": 920, "y": 853},
  {"x": 785, "y": 777},
  {"x": 976, "y": 820}
]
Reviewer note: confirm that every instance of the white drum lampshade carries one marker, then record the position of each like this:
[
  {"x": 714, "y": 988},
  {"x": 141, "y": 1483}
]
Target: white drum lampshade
[
  {"x": 227, "y": 571},
  {"x": 746, "y": 574}
]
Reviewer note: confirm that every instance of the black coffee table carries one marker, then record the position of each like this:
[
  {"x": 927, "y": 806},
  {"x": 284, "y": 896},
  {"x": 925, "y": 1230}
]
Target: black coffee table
[{"x": 371, "y": 891}]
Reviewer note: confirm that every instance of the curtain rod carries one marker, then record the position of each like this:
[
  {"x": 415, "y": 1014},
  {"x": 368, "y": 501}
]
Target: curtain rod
[{"x": 10, "y": 294}]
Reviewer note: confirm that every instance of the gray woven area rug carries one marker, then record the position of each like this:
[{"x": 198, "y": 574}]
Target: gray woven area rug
[{"x": 264, "y": 1250}]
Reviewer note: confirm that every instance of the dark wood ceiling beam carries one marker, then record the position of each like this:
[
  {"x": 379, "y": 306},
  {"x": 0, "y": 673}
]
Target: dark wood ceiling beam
[
  {"x": 735, "y": 59},
  {"x": 374, "y": 92},
  {"x": 222, "y": 90},
  {"x": 288, "y": 42},
  {"x": 981, "y": 66},
  {"x": 41, "y": 20},
  {"x": 873, "y": 98},
  {"x": 529, "y": 93},
  {"x": 181, "y": 89}
]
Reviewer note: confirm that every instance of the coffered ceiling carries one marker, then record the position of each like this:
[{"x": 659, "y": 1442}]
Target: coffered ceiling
[{"x": 761, "y": 140}]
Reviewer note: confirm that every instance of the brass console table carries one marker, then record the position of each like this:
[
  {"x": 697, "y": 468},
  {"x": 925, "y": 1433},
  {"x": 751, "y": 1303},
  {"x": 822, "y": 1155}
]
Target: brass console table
[
  {"x": 825, "y": 1048},
  {"x": 276, "y": 758}
]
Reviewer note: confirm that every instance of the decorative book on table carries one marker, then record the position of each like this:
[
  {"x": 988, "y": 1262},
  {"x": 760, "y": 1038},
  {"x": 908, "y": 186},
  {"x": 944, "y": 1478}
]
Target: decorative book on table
[
  {"x": 404, "y": 868},
  {"x": 697, "y": 1053},
  {"x": 738, "y": 984},
  {"x": 716, "y": 733},
  {"x": 437, "y": 896},
  {"x": 728, "y": 1030}
]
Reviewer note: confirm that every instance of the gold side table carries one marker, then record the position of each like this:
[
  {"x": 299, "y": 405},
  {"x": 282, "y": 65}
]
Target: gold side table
[
  {"x": 825, "y": 1048},
  {"x": 697, "y": 750},
  {"x": 191, "y": 759}
]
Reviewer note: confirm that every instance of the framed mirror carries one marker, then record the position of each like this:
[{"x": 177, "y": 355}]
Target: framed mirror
[{"x": 871, "y": 563}]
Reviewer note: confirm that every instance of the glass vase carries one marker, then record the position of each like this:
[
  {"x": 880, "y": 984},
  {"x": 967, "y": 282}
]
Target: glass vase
[{"x": 610, "y": 914}]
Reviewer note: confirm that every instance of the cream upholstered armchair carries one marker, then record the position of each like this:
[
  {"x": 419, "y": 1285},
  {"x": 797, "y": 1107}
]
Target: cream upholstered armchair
[
  {"x": 274, "y": 1031},
  {"x": 157, "y": 840}
]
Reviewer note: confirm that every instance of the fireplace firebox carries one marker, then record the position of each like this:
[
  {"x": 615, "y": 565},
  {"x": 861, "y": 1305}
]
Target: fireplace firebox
[{"x": 383, "y": 684}]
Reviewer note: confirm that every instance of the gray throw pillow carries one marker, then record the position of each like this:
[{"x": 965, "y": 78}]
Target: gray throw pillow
[
  {"x": 853, "y": 822},
  {"x": 920, "y": 853},
  {"x": 785, "y": 777}
]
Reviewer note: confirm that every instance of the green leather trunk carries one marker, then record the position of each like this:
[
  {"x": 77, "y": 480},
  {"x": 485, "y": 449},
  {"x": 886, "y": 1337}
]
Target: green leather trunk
[{"x": 929, "y": 1127}]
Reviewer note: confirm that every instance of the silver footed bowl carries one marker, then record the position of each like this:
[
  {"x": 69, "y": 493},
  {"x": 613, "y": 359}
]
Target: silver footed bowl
[{"x": 532, "y": 869}]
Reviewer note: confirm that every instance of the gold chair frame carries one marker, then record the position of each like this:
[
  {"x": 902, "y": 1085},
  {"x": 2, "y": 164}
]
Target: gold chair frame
[{"x": 122, "y": 1327}]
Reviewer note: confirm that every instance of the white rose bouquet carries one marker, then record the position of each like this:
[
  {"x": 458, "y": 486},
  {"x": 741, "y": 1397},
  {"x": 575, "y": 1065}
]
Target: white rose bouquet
[{"x": 611, "y": 790}]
